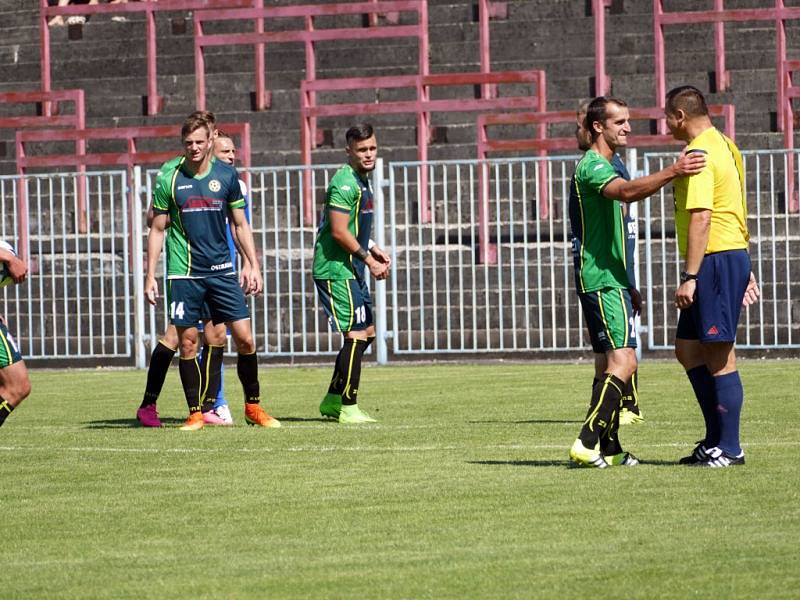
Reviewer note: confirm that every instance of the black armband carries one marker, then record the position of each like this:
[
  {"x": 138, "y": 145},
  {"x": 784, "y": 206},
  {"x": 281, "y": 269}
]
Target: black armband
[{"x": 361, "y": 254}]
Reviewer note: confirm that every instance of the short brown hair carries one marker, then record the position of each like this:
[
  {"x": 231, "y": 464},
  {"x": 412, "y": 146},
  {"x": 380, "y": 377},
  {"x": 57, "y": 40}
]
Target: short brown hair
[
  {"x": 194, "y": 122},
  {"x": 688, "y": 99}
]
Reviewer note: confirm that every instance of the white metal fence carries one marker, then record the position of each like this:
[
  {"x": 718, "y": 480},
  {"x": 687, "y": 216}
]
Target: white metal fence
[
  {"x": 446, "y": 293},
  {"x": 77, "y": 301}
]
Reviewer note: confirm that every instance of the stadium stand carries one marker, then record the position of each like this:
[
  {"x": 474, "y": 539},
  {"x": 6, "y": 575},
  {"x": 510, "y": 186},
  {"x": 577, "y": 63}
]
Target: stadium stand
[{"x": 115, "y": 61}]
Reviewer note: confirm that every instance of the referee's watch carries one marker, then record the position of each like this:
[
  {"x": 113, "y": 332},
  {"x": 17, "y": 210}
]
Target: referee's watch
[{"x": 685, "y": 276}]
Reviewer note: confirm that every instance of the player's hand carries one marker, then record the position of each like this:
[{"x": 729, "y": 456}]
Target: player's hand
[
  {"x": 752, "y": 293},
  {"x": 17, "y": 269},
  {"x": 151, "y": 290},
  {"x": 684, "y": 296},
  {"x": 378, "y": 269},
  {"x": 690, "y": 163},
  {"x": 382, "y": 257},
  {"x": 251, "y": 281},
  {"x": 636, "y": 300}
]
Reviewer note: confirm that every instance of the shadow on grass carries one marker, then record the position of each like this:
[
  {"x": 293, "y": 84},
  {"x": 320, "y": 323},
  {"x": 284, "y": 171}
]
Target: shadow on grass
[
  {"x": 305, "y": 420},
  {"x": 522, "y": 463},
  {"x": 531, "y": 421},
  {"x": 132, "y": 423},
  {"x": 563, "y": 463}
]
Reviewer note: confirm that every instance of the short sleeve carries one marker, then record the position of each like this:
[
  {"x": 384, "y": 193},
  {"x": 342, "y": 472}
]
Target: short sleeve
[
  {"x": 597, "y": 174},
  {"x": 700, "y": 189},
  {"x": 342, "y": 197},
  {"x": 235, "y": 197},
  {"x": 162, "y": 195}
]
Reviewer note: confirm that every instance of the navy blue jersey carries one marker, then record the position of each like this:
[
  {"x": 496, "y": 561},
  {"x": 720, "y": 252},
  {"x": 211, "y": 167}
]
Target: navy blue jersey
[{"x": 198, "y": 207}]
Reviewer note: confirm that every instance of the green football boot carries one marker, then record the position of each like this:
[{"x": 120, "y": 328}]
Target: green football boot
[
  {"x": 331, "y": 406},
  {"x": 352, "y": 415},
  {"x": 623, "y": 459},
  {"x": 582, "y": 456}
]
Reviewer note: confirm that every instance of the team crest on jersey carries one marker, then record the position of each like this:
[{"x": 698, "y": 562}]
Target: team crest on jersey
[{"x": 214, "y": 185}]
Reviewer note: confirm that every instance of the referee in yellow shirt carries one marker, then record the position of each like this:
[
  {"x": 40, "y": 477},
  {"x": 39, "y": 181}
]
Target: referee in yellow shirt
[{"x": 711, "y": 225}]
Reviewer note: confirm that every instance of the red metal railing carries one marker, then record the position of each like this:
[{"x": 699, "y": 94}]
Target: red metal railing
[
  {"x": 58, "y": 118},
  {"x": 309, "y": 35},
  {"x": 719, "y": 15},
  {"x": 421, "y": 106},
  {"x": 149, "y": 8}
]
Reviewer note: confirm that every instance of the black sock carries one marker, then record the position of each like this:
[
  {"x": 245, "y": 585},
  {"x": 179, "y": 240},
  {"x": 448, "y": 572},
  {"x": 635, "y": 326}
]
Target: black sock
[
  {"x": 210, "y": 368},
  {"x": 247, "y": 369},
  {"x": 606, "y": 397},
  {"x": 190, "y": 378},
  {"x": 5, "y": 410},
  {"x": 630, "y": 393},
  {"x": 160, "y": 361},
  {"x": 337, "y": 381},
  {"x": 609, "y": 440},
  {"x": 351, "y": 352}
]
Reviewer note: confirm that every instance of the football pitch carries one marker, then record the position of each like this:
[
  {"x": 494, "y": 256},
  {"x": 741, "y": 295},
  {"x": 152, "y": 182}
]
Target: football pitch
[{"x": 462, "y": 490}]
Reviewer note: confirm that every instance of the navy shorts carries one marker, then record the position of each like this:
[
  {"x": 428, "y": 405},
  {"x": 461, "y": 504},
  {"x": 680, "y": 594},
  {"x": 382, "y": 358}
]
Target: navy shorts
[
  {"x": 224, "y": 300},
  {"x": 346, "y": 302},
  {"x": 9, "y": 352},
  {"x": 609, "y": 318},
  {"x": 721, "y": 283}
]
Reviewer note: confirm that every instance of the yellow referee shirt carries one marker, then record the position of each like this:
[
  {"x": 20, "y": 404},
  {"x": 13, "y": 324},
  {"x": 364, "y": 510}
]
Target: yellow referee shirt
[{"x": 719, "y": 187}]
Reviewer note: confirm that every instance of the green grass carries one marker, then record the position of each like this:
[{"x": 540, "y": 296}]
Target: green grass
[{"x": 461, "y": 491}]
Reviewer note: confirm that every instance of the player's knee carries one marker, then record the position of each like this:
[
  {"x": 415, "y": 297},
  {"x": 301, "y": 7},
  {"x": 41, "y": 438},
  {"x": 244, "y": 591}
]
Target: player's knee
[
  {"x": 246, "y": 345},
  {"x": 17, "y": 390}
]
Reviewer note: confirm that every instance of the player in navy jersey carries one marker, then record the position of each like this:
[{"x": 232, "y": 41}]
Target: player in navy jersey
[
  {"x": 199, "y": 194},
  {"x": 215, "y": 408}
]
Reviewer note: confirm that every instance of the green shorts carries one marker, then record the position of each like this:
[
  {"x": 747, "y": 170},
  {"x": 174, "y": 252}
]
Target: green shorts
[
  {"x": 346, "y": 302},
  {"x": 609, "y": 318},
  {"x": 9, "y": 352}
]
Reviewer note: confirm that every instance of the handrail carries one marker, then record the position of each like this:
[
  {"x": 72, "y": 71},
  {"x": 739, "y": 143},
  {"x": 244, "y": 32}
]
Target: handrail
[
  {"x": 308, "y": 35},
  {"x": 719, "y": 15},
  {"x": 422, "y": 106},
  {"x": 149, "y": 8}
]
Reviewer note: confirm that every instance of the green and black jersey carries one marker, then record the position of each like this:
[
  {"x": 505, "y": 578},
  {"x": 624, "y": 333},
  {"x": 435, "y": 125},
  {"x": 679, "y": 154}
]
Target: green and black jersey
[
  {"x": 198, "y": 207},
  {"x": 598, "y": 230},
  {"x": 349, "y": 193}
]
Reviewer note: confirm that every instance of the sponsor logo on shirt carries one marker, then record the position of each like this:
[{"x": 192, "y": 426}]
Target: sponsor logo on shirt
[
  {"x": 214, "y": 185},
  {"x": 200, "y": 203},
  {"x": 185, "y": 187},
  {"x": 222, "y": 267}
]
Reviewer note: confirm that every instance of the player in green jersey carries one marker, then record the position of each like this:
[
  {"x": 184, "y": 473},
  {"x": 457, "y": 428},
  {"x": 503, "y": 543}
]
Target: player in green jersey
[
  {"x": 630, "y": 411},
  {"x": 341, "y": 252},
  {"x": 15, "y": 385},
  {"x": 197, "y": 195},
  {"x": 601, "y": 276}
]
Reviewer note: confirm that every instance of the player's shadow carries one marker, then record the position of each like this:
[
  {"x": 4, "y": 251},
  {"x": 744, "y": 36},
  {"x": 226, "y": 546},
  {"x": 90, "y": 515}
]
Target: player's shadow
[
  {"x": 129, "y": 423},
  {"x": 529, "y": 422},
  {"x": 521, "y": 463}
]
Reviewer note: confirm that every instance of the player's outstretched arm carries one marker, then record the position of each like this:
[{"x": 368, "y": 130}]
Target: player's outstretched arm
[
  {"x": 642, "y": 187},
  {"x": 250, "y": 277},
  {"x": 155, "y": 241}
]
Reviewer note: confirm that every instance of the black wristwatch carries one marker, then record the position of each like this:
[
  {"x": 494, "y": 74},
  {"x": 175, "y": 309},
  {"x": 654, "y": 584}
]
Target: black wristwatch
[{"x": 687, "y": 276}]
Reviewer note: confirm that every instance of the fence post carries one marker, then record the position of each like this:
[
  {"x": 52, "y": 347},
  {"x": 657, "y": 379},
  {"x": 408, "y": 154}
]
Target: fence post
[
  {"x": 138, "y": 271},
  {"x": 632, "y": 162},
  {"x": 378, "y": 183}
]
